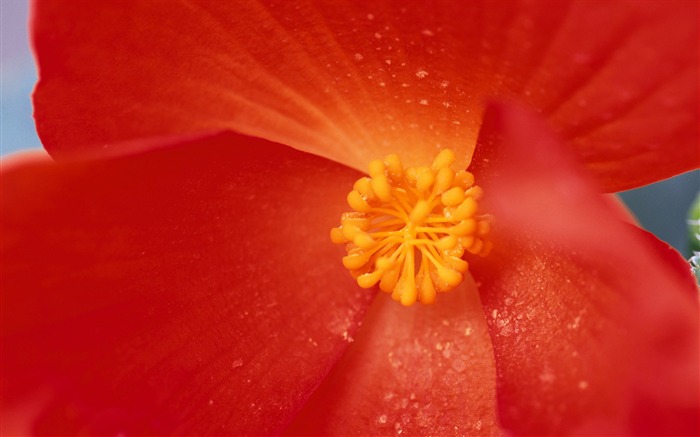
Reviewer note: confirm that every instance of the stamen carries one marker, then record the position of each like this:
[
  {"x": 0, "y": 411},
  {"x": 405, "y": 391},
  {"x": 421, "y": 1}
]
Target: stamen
[{"x": 410, "y": 228}]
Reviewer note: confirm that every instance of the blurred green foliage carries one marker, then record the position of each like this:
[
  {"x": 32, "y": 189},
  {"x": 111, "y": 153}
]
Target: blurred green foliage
[{"x": 694, "y": 225}]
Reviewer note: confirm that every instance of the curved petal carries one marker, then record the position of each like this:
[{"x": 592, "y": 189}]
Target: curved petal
[
  {"x": 355, "y": 81},
  {"x": 595, "y": 330},
  {"x": 425, "y": 370},
  {"x": 181, "y": 291},
  {"x": 618, "y": 82}
]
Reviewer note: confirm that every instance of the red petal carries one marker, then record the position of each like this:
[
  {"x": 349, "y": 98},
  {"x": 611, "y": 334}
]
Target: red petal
[
  {"x": 355, "y": 81},
  {"x": 595, "y": 331},
  {"x": 624, "y": 93},
  {"x": 190, "y": 290},
  {"x": 411, "y": 371}
]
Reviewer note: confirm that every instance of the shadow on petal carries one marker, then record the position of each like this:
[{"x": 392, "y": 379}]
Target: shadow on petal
[
  {"x": 181, "y": 291},
  {"x": 595, "y": 329}
]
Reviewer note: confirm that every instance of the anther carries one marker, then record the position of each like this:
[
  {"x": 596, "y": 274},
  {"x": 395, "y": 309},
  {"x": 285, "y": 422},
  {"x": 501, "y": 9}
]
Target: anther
[{"x": 411, "y": 226}]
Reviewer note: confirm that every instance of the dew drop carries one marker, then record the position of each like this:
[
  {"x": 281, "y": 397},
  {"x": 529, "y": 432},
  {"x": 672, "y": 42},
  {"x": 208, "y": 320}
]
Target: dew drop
[
  {"x": 506, "y": 330},
  {"x": 459, "y": 365},
  {"x": 347, "y": 337},
  {"x": 547, "y": 377}
]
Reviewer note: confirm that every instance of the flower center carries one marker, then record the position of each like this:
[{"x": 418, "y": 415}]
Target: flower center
[{"x": 410, "y": 228}]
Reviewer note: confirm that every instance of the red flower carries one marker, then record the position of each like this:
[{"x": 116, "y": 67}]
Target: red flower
[{"x": 157, "y": 286}]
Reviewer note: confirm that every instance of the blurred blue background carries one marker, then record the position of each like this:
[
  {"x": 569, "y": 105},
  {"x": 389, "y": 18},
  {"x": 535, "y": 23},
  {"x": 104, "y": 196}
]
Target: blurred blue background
[
  {"x": 17, "y": 77},
  {"x": 660, "y": 208}
]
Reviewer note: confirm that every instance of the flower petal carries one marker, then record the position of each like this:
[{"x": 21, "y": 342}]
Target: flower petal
[
  {"x": 595, "y": 331},
  {"x": 619, "y": 84},
  {"x": 181, "y": 291},
  {"x": 425, "y": 370},
  {"x": 355, "y": 81}
]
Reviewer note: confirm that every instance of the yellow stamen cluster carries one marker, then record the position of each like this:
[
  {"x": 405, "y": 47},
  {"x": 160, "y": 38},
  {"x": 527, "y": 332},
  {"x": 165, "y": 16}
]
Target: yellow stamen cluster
[{"x": 410, "y": 228}]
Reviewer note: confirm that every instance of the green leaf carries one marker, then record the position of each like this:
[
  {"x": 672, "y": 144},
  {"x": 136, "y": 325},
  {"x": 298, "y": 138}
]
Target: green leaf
[{"x": 694, "y": 225}]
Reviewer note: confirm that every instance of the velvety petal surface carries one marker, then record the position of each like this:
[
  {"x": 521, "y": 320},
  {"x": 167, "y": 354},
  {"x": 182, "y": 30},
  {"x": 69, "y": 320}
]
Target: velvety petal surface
[
  {"x": 424, "y": 370},
  {"x": 594, "y": 323},
  {"x": 180, "y": 291},
  {"x": 355, "y": 81}
]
